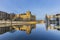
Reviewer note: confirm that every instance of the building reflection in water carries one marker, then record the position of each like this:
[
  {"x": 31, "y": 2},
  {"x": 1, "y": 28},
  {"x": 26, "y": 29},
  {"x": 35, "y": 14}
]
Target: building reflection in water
[
  {"x": 4, "y": 29},
  {"x": 27, "y": 27},
  {"x": 52, "y": 27}
]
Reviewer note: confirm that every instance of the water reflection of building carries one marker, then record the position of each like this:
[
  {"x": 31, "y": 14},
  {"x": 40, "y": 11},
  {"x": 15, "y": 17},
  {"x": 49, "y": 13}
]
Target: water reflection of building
[
  {"x": 53, "y": 21},
  {"x": 5, "y": 29},
  {"x": 52, "y": 27},
  {"x": 26, "y": 28}
]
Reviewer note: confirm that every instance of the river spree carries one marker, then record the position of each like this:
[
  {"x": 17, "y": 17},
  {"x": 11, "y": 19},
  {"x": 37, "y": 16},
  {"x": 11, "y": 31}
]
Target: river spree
[{"x": 37, "y": 32}]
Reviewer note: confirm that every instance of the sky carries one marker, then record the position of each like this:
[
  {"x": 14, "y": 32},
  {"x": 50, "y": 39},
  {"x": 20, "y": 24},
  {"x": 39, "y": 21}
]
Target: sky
[{"x": 37, "y": 7}]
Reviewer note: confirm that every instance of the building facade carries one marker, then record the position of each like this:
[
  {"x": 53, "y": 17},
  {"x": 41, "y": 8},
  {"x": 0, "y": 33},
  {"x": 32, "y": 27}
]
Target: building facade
[
  {"x": 6, "y": 16},
  {"x": 17, "y": 17},
  {"x": 53, "y": 20},
  {"x": 25, "y": 17}
]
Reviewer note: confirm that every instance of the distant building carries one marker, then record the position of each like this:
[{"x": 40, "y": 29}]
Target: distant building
[
  {"x": 11, "y": 16},
  {"x": 17, "y": 17},
  {"x": 25, "y": 17},
  {"x": 40, "y": 21},
  {"x": 53, "y": 20},
  {"x": 6, "y": 16}
]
